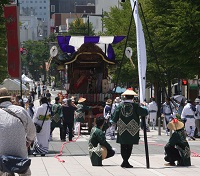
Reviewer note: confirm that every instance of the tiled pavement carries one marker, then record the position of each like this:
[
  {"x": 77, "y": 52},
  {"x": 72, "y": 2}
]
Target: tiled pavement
[{"x": 77, "y": 161}]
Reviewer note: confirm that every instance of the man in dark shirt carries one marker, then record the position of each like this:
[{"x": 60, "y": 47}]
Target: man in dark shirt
[{"x": 68, "y": 118}]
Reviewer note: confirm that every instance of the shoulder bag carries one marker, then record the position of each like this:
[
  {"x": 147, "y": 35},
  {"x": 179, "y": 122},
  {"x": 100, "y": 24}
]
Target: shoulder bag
[
  {"x": 37, "y": 126},
  {"x": 13, "y": 164}
]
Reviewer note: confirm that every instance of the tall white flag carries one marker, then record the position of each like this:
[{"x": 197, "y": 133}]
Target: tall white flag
[{"x": 141, "y": 51}]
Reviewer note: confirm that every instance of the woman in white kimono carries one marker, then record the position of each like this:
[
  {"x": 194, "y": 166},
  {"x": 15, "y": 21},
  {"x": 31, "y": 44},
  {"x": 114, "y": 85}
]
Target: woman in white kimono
[{"x": 41, "y": 143}]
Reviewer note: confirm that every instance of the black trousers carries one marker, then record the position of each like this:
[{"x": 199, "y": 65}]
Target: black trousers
[
  {"x": 61, "y": 129},
  {"x": 110, "y": 153},
  {"x": 126, "y": 150},
  {"x": 171, "y": 154},
  {"x": 70, "y": 126}
]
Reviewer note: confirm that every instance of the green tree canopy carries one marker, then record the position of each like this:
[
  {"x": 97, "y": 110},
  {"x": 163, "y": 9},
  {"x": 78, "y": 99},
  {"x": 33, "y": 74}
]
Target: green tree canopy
[
  {"x": 78, "y": 28},
  {"x": 3, "y": 60}
]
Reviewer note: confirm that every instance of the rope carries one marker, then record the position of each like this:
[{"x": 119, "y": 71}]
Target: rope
[{"x": 61, "y": 150}]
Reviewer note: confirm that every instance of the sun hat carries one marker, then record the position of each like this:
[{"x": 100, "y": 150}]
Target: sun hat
[
  {"x": 129, "y": 91},
  {"x": 81, "y": 99},
  {"x": 4, "y": 93},
  {"x": 175, "y": 124},
  {"x": 109, "y": 102},
  {"x": 117, "y": 100}
]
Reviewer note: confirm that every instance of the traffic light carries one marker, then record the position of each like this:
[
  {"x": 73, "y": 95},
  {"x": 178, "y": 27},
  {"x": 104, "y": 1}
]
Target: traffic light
[{"x": 184, "y": 82}]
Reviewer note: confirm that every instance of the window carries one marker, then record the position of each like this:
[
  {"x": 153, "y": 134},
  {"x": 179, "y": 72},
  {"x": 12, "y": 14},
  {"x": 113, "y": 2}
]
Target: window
[
  {"x": 44, "y": 7},
  {"x": 45, "y": 13},
  {"x": 40, "y": 7},
  {"x": 44, "y": 1},
  {"x": 52, "y": 8}
]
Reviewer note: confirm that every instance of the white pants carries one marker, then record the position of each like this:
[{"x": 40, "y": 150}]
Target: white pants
[{"x": 190, "y": 126}]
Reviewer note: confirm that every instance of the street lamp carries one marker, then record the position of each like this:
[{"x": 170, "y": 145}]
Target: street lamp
[{"x": 88, "y": 19}]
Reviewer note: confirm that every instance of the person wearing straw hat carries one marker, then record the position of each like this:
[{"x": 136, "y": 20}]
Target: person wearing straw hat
[
  {"x": 99, "y": 148},
  {"x": 177, "y": 149},
  {"x": 17, "y": 131},
  {"x": 81, "y": 108},
  {"x": 127, "y": 118}
]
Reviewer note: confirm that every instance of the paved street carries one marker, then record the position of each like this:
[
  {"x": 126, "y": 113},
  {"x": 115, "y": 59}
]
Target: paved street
[{"x": 77, "y": 161}]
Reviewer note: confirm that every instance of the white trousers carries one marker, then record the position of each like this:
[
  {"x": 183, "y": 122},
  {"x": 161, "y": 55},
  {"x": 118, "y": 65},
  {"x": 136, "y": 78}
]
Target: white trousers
[{"x": 190, "y": 126}]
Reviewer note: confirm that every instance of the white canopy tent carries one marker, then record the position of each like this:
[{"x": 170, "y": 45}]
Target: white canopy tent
[
  {"x": 26, "y": 79},
  {"x": 12, "y": 84}
]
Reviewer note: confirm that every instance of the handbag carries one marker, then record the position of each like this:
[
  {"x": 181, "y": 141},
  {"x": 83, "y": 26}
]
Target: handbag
[
  {"x": 13, "y": 164},
  {"x": 37, "y": 126},
  {"x": 56, "y": 116}
]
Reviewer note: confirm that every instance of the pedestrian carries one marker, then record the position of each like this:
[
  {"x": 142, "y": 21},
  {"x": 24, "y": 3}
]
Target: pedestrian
[
  {"x": 167, "y": 110},
  {"x": 56, "y": 117},
  {"x": 153, "y": 109},
  {"x": 127, "y": 118},
  {"x": 52, "y": 85},
  {"x": 177, "y": 149},
  {"x": 81, "y": 108},
  {"x": 107, "y": 117},
  {"x": 39, "y": 90},
  {"x": 99, "y": 148},
  {"x": 68, "y": 109},
  {"x": 32, "y": 94},
  {"x": 197, "y": 116},
  {"x": 113, "y": 126},
  {"x": 31, "y": 108},
  {"x": 48, "y": 94},
  {"x": 187, "y": 116},
  {"x": 17, "y": 130},
  {"x": 19, "y": 101},
  {"x": 44, "y": 89},
  {"x": 42, "y": 116}
]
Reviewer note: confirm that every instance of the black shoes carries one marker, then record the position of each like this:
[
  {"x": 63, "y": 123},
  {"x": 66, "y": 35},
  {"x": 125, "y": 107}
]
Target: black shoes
[
  {"x": 126, "y": 165},
  {"x": 35, "y": 154}
]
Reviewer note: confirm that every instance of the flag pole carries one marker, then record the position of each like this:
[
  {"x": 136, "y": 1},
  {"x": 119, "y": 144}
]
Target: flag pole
[{"x": 141, "y": 70}]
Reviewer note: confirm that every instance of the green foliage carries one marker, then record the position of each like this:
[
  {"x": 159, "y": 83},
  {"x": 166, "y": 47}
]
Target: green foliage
[
  {"x": 174, "y": 28},
  {"x": 38, "y": 54},
  {"x": 3, "y": 60},
  {"x": 79, "y": 28},
  {"x": 117, "y": 23}
]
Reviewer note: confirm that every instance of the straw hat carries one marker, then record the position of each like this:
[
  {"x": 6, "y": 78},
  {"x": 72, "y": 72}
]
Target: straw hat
[
  {"x": 129, "y": 91},
  {"x": 81, "y": 99},
  {"x": 4, "y": 93},
  {"x": 109, "y": 102},
  {"x": 175, "y": 125},
  {"x": 104, "y": 152},
  {"x": 117, "y": 100}
]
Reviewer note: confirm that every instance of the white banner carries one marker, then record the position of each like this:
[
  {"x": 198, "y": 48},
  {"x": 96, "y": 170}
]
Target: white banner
[{"x": 141, "y": 51}]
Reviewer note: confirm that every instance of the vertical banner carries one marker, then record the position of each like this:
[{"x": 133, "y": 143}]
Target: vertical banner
[
  {"x": 141, "y": 51},
  {"x": 13, "y": 48}
]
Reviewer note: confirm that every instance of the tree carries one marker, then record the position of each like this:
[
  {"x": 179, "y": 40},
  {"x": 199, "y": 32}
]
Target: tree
[
  {"x": 34, "y": 61},
  {"x": 78, "y": 28},
  {"x": 3, "y": 60},
  {"x": 117, "y": 22},
  {"x": 174, "y": 28}
]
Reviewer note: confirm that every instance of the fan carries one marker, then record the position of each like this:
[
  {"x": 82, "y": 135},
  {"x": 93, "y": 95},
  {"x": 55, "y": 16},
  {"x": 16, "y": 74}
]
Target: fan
[{"x": 53, "y": 51}]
